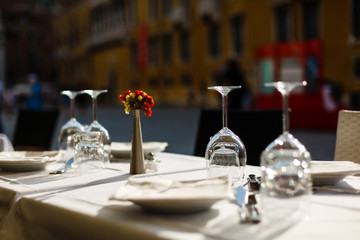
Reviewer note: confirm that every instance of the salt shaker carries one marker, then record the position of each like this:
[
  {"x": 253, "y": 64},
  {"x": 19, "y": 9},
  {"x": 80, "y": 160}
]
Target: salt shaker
[{"x": 151, "y": 165}]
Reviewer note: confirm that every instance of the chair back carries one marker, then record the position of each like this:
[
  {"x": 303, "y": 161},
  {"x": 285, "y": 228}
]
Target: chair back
[
  {"x": 347, "y": 147},
  {"x": 34, "y": 129},
  {"x": 256, "y": 128}
]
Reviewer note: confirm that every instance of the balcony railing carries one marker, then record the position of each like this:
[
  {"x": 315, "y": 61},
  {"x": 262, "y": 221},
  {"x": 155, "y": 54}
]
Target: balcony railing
[{"x": 98, "y": 38}]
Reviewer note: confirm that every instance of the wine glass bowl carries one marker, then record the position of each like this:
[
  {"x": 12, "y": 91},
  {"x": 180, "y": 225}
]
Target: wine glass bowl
[
  {"x": 89, "y": 151},
  {"x": 72, "y": 126},
  {"x": 287, "y": 173},
  {"x": 225, "y": 153}
]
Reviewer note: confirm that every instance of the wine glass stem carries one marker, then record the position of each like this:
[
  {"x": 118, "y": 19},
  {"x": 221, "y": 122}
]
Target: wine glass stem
[
  {"x": 72, "y": 107},
  {"x": 285, "y": 116},
  {"x": 225, "y": 110},
  {"x": 94, "y": 108}
]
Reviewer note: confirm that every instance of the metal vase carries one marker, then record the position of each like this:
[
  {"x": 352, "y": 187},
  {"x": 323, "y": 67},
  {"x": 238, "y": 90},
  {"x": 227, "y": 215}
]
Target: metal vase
[{"x": 137, "y": 153}]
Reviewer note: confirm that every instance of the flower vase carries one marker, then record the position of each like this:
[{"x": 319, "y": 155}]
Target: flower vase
[{"x": 137, "y": 153}]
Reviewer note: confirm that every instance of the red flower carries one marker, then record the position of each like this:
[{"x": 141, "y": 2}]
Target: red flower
[{"x": 137, "y": 100}]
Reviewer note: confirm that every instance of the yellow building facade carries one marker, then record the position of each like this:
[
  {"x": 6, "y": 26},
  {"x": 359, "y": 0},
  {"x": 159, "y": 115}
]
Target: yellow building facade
[{"x": 174, "y": 49}]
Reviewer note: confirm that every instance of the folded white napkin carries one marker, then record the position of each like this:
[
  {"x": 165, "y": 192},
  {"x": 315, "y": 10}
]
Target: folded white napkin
[
  {"x": 156, "y": 193},
  {"x": 330, "y": 172}
]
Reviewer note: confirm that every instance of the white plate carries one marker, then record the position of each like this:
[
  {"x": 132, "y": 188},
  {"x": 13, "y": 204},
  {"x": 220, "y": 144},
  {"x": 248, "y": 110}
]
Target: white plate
[
  {"x": 181, "y": 206},
  {"x": 331, "y": 172},
  {"x": 123, "y": 149},
  {"x": 26, "y": 161},
  {"x": 158, "y": 194}
]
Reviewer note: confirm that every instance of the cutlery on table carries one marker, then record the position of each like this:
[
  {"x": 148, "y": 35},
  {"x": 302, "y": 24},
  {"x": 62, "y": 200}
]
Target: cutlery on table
[
  {"x": 64, "y": 168},
  {"x": 338, "y": 189},
  {"x": 248, "y": 211}
]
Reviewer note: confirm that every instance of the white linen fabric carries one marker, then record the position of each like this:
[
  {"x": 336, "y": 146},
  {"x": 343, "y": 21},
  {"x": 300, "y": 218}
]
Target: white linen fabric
[{"x": 85, "y": 211}]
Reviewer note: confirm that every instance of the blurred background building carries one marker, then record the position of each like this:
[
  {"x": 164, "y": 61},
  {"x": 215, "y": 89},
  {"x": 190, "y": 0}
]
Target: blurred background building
[
  {"x": 174, "y": 49},
  {"x": 27, "y": 41}
]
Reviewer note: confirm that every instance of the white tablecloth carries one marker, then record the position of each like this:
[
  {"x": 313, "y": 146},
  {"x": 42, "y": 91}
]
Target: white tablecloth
[{"x": 41, "y": 206}]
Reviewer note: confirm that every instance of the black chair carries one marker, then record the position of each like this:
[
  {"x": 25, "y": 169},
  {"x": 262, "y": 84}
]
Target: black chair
[
  {"x": 34, "y": 129},
  {"x": 256, "y": 128}
]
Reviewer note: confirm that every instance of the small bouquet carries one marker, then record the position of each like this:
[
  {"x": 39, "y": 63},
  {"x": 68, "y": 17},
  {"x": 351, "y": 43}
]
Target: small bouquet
[{"x": 137, "y": 100}]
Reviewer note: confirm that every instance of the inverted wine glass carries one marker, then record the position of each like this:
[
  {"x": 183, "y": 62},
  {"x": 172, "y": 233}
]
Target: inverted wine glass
[
  {"x": 286, "y": 141},
  {"x": 285, "y": 163},
  {"x": 225, "y": 152},
  {"x": 72, "y": 126},
  {"x": 95, "y": 126}
]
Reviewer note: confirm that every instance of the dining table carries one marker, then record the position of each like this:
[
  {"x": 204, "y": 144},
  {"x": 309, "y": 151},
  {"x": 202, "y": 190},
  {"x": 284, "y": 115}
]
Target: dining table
[{"x": 81, "y": 205}]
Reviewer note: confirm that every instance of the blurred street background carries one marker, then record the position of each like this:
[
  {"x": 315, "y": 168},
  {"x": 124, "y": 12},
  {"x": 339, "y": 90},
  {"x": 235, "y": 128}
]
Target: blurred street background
[{"x": 174, "y": 50}]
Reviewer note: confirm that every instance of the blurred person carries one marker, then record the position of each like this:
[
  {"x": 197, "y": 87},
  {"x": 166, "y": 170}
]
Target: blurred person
[
  {"x": 331, "y": 95},
  {"x": 233, "y": 75},
  {"x": 35, "y": 98}
]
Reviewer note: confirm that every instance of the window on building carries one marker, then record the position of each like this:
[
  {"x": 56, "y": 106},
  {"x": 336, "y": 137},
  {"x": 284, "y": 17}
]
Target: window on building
[
  {"x": 117, "y": 14},
  {"x": 168, "y": 82},
  {"x": 216, "y": 78},
  {"x": 282, "y": 24},
  {"x": 153, "y": 51},
  {"x": 356, "y": 18},
  {"x": 46, "y": 5},
  {"x": 32, "y": 61},
  {"x": 167, "y": 49},
  {"x": 133, "y": 54},
  {"x": 30, "y": 37},
  {"x": 185, "y": 46},
  {"x": 135, "y": 83},
  {"x": 71, "y": 35},
  {"x": 154, "y": 82},
  {"x": 237, "y": 37},
  {"x": 132, "y": 13},
  {"x": 93, "y": 14},
  {"x": 9, "y": 56},
  {"x": 186, "y": 7},
  {"x": 153, "y": 10},
  {"x": 41, "y": 38},
  {"x": 214, "y": 40},
  {"x": 186, "y": 80},
  {"x": 311, "y": 20},
  {"x": 166, "y": 8},
  {"x": 10, "y": 76},
  {"x": 12, "y": 35},
  {"x": 19, "y": 56}
]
